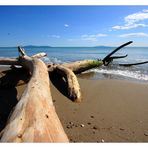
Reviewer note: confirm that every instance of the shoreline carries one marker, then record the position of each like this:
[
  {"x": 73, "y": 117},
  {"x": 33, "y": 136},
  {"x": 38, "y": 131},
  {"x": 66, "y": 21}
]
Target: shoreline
[
  {"x": 92, "y": 75},
  {"x": 111, "y": 110}
]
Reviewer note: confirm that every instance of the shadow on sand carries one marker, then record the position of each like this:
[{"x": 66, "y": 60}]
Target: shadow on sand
[
  {"x": 9, "y": 79},
  {"x": 59, "y": 82}
]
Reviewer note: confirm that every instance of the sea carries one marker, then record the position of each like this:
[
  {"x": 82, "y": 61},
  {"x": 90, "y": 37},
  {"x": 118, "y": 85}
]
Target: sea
[{"x": 137, "y": 73}]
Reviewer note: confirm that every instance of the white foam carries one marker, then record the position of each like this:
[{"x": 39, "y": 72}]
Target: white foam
[
  {"x": 51, "y": 60},
  {"x": 126, "y": 73}
]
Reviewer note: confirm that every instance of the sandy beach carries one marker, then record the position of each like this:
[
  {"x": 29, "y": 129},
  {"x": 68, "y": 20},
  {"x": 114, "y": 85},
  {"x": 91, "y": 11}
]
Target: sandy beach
[{"x": 111, "y": 110}]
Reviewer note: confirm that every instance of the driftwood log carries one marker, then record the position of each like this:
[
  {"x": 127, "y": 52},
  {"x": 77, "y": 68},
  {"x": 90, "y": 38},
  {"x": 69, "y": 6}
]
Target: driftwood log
[{"x": 34, "y": 118}]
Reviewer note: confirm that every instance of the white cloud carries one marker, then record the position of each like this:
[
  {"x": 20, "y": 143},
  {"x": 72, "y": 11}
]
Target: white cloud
[
  {"x": 54, "y": 36},
  {"x": 140, "y": 34},
  {"x": 86, "y": 37},
  {"x": 136, "y": 17},
  {"x": 92, "y": 37},
  {"x": 145, "y": 10},
  {"x": 132, "y": 20},
  {"x": 66, "y": 25},
  {"x": 100, "y": 35},
  {"x": 129, "y": 26}
]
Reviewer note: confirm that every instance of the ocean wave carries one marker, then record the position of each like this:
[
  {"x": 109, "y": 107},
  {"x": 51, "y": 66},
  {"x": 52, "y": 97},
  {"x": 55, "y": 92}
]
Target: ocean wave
[
  {"x": 51, "y": 60},
  {"x": 126, "y": 73}
]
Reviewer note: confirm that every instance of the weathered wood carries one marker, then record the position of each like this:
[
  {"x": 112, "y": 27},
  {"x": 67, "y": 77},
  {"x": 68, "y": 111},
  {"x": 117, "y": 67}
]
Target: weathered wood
[
  {"x": 131, "y": 64},
  {"x": 108, "y": 58},
  {"x": 39, "y": 55},
  {"x": 9, "y": 61},
  {"x": 67, "y": 70},
  {"x": 81, "y": 66},
  {"x": 34, "y": 118},
  {"x": 119, "y": 57},
  {"x": 74, "y": 92},
  {"x": 76, "y": 67},
  {"x": 15, "y": 61}
]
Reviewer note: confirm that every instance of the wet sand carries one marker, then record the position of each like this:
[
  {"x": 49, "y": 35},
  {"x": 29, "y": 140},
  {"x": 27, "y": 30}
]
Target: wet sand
[{"x": 111, "y": 110}]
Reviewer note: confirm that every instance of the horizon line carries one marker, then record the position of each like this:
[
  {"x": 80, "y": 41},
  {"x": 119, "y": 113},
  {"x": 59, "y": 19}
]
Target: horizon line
[{"x": 64, "y": 46}]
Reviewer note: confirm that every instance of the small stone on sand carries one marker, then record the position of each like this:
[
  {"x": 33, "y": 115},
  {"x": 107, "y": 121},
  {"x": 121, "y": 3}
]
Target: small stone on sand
[
  {"x": 146, "y": 134},
  {"x": 89, "y": 123},
  {"x": 95, "y": 128},
  {"x": 68, "y": 126},
  {"x": 92, "y": 116},
  {"x": 82, "y": 125},
  {"x": 71, "y": 123}
]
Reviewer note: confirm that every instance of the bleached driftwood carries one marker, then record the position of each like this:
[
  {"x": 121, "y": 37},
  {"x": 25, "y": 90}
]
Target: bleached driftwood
[
  {"x": 81, "y": 66},
  {"x": 74, "y": 92},
  {"x": 34, "y": 118},
  {"x": 15, "y": 61},
  {"x": 9, "y": 61},
  {"x": 67, "y": 70},
  {"x": 39, "y": 55}
]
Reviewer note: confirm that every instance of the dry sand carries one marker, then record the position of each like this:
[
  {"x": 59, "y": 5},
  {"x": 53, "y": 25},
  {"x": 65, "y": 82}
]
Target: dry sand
[{"x": 111, "y": 110}]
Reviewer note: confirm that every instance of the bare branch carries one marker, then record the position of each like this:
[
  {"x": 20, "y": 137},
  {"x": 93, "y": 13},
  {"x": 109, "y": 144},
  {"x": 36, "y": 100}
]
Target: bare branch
[{"x": 74, "y": 92}]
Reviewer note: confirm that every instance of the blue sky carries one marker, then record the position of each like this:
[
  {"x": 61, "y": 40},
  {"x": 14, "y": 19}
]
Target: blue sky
[{"x": 73, "y": 25}]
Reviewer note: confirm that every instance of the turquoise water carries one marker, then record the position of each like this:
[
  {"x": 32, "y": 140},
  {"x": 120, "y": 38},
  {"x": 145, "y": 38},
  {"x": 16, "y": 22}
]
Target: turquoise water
[{"x": 113, "y": 71}]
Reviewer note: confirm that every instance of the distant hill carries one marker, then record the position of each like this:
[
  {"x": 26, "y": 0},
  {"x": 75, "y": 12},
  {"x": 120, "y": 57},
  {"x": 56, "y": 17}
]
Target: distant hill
[
  {"x": 102, "y": 46},
  {"x": 35, "y": 46}
]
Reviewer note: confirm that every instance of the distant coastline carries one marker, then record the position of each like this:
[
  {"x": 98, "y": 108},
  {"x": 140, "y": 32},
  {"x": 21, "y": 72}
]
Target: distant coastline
[
  {"x": 35, "y": 46},
  {"x": 27, "y": 46},
  {"x": 46, "y": 46}
]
